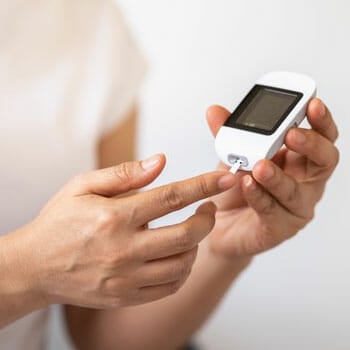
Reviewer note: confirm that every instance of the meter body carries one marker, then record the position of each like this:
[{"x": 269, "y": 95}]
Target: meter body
[{"x": 257, "y": 127}]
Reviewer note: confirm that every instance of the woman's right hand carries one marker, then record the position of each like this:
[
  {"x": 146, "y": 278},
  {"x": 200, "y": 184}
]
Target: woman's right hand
[{"x": 91, "y": 247}]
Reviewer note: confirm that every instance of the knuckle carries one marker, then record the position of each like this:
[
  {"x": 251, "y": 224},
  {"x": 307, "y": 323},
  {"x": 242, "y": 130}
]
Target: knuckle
[
  {"x": 203, "y": 186},
  {"x": 115, "y": 302},
  {"x": 117, "y": 260},
  {"x": 207, "y": 222},
  {"x": 160, "y": 275},
  {"x": 145, "y": 245},
  {"x": 276, "y": 181},
  {"x": 185, "y": 265},
  {"x": 77, "y": 180},
  {"x": 336, "y": 157},
  {"x": 114, "y": 290},
  {"x": 292, "y": 194},
  {"x": 132, "y": 214},
  {"x": 124, "y": 172},
  {"x": 105, "y": 217},
  {"x": 170, "y": 198},
  {"x": 193, "y": 254},
  {"x": 113, "y": 286},
  {"x": 332, "y": 159},
  {"x": 188, "y": 263},
  {"x": 135, "y": 294},
  {"x": 184, "y": 238},
  {"x": 174, "y": 287},
  {"x": 336, "y": 133},
  {"x": 269, "y": 205},
  {"x": 111, "y": 261},
  {"x": 125, "y": 255},
  {"x": 311, "y": 139},
  {"x": 181, "y": 269},
  {"x": 308, "y": 216}
]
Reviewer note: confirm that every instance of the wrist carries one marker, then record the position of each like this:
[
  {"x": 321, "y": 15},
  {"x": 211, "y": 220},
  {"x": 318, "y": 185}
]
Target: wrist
[
  {"x": 20, "y": 277},
  {"x": 231, "y": 264}
]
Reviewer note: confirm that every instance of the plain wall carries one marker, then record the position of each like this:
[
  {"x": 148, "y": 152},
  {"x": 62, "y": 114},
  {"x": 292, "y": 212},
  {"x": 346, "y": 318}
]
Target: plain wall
[{"x": 202, "y": 52}]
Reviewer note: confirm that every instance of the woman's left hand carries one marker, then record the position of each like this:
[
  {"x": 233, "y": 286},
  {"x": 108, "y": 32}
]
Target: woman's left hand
[{"x": 276, "y": 200}]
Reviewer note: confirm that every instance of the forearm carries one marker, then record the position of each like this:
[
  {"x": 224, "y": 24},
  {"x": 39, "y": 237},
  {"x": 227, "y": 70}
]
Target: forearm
[
  {"x": 165, "y": 324},
  {"x": 18, "y": 288}
]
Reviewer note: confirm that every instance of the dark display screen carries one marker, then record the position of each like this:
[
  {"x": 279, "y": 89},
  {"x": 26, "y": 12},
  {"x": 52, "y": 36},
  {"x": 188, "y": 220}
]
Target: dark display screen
[{"x": 263, "y": 109}]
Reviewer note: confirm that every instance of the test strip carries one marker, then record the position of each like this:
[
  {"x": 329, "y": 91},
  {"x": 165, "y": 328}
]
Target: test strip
[{"x": 236, "y": 165}]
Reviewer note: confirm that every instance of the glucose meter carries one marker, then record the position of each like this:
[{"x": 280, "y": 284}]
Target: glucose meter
[{"x": 257, "y": 127}]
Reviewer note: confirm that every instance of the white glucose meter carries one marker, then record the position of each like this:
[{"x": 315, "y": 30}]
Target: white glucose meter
[{"x": 257, "y": 127}]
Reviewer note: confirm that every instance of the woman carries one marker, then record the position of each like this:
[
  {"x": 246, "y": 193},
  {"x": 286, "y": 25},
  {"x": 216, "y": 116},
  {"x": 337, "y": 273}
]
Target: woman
[{"x": 70, "y": 76}]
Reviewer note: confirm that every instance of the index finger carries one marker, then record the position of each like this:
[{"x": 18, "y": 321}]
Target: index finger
[{"x": 155, "y": 203}]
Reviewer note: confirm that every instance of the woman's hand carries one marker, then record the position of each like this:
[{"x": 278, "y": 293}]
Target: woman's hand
[
  {"x": 91, "y": 248},
  {"x": 276, "y": 200}
]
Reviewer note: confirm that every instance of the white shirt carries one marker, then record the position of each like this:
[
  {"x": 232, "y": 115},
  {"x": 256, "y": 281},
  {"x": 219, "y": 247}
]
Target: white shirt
[{"x": 69, "y": 71}]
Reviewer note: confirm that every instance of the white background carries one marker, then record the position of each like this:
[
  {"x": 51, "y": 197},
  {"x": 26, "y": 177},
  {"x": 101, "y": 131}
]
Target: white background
[{"x": 202, "y": 52}]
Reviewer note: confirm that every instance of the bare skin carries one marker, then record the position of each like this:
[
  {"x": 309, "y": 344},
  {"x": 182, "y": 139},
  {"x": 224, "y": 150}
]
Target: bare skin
[
  {"x": 90, "y": 247},
  {"x": 257, "y": 213},
  {"x": 278, "y": 198}
]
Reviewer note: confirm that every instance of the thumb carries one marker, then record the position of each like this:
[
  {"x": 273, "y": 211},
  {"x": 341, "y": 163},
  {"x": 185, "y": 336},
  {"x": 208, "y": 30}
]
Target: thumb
[
  {"x": 118, "y": 179},
  {"x": 216, "y": 117}
]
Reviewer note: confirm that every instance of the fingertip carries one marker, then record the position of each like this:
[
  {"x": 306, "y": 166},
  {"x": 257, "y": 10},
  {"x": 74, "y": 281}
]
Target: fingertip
[
  {"x": 263, "y": 170},
  {"x": 216, "y": 117},
  {"x": 258, "y": 166},
  {"x": 316, "y": 108},
  {"x": 163, "y": 159},
  {"x": 153, "y": 162},
  {"x": 152, "y": 167},
  {"x": 226, "y": 181},
  {"x": 216, "y": 111},
  {"x": 210, "y": 111}
]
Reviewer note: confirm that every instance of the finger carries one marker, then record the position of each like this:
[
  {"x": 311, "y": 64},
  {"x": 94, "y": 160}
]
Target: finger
[
  {"x": 147, "y": 206},
  {"x": 175, "y": 239},
  {"x": 321, "y": 120},
  {"x": 149, "y": 294},
  {"x": 271, "y": 213},
  {"x": 216, "y": 117},
  {"x": 232, "y": 199},
  {"x": 280, "y": 157},
  {"x": 167, "y": 270},
  {"x": 282, "y": 187},
  {"x": 314, "y": 146},
  {"x": 261, "y": 201},
  {"x": 118, "y": 179}
]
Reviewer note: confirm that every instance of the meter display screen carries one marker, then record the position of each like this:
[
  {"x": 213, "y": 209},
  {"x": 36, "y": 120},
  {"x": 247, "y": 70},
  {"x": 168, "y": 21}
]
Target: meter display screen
[{"x": 263, "y": 109}]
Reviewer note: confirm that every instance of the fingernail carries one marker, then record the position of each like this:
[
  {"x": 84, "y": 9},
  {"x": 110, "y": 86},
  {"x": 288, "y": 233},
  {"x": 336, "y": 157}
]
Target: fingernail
[
  {"x": 268, "y": 173},
  {"x": 225, "y": 182},
  {"x": 299, "y": 137},
  {"x": 322, "y": 109},
  {"x": 151, "y": 162}
]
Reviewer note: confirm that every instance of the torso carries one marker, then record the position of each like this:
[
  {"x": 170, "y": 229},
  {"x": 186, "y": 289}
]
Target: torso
[{"x": 55, "y": 55}]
